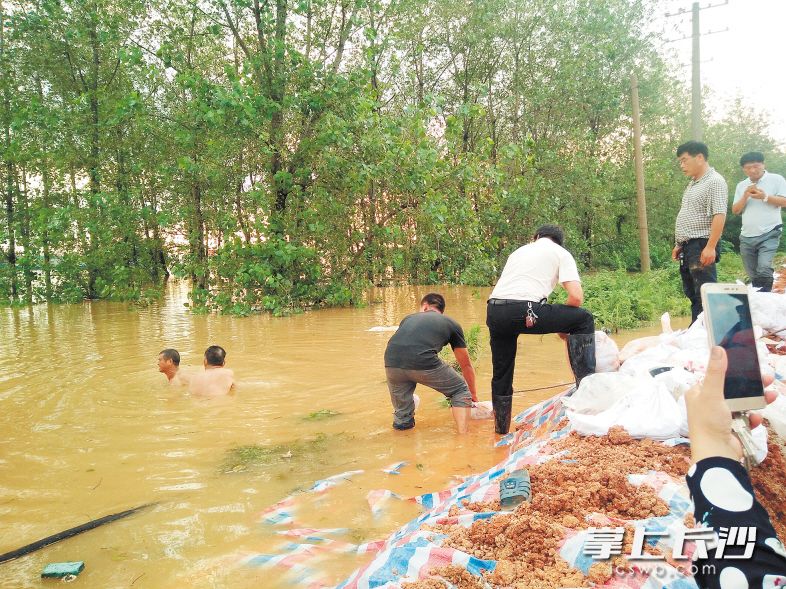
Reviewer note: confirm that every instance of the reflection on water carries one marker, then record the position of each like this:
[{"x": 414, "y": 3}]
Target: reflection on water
[{"x": 91, "y": 428}]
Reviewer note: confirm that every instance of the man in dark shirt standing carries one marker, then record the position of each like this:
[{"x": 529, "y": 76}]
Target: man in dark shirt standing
[{"x": 411, "y": 358}]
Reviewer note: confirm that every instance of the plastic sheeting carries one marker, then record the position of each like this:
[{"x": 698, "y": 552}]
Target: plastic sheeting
[{"x": 411, "y": 552}]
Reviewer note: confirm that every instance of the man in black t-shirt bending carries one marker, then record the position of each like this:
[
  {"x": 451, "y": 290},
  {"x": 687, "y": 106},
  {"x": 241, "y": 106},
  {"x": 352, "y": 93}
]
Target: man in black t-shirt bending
[{"x": 411, "y": 358}]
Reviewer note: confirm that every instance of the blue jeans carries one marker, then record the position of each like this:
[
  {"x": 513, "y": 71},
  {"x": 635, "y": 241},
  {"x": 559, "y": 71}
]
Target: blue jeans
[
  {"x": 402, "y": 382},
  {"x": 757, "y": 254},
  {"x": 694, "y": 274}
]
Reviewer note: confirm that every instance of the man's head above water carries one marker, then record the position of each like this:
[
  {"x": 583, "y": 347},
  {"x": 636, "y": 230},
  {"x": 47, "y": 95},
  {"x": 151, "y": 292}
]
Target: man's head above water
[{"x": 215, "y": 356}]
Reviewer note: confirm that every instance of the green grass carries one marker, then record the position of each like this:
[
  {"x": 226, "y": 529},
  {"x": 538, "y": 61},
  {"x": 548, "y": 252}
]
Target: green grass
[
  {"x": 321, "y": 415},
  {"x": 626, "y": 300},
  {"x": 473, "y": 338},
  {"x": 242, "y": 458}
]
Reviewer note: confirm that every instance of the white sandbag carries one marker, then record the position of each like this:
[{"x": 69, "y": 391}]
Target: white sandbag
[
  {"x": 598, "y": 392},
  {"x": 775, "y": 413},
  {"x": 652, "y": 357},
  {"x": 767, "y": 370},
  {"x": 416, "y": 399},
  {"x": 695, "y": 360},
  {"x": 637, "y": 346},
  {"x": 665, "y": 323},
  {"x": 683, "y": 416},
  {"x": 693, "y": 337},
  {"x": 778, "y": 364},
  {"x": 692, "y": 360},
  {"x": 677, "y": 381},
  {"x": 607, "y": 354},
  {"x": 759, "y": 435},
  {"x": 482, "y": 410},
  {"x": 768, "y": 309},
  {"x": 647, "y": 411}
]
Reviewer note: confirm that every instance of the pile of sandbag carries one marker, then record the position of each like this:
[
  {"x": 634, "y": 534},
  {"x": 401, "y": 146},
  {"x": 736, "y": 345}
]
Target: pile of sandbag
[{"x": 641, "y": 387}]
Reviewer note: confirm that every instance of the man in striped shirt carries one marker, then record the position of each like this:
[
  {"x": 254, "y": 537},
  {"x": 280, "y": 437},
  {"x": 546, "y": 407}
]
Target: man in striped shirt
[{"x": 700, "y": 222}]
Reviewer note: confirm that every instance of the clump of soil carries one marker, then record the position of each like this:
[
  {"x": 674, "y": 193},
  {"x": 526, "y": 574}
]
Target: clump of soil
[
  {"x": 768, "y": 482},
  {"x": 592, "y": 478},
  {"x": 454, "y": 574},
  {"x": 619, "y": 452}
]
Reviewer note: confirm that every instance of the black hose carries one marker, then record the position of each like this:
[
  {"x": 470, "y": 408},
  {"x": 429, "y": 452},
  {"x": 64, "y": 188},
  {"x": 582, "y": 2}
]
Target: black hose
[{"x": 70, "y": 532}]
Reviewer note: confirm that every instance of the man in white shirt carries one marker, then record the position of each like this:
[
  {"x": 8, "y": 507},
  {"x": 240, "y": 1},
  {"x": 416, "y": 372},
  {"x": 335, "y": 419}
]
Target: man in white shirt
[
  {"x": 518, "y": 305},
  {"x": 759, "y": 199}
]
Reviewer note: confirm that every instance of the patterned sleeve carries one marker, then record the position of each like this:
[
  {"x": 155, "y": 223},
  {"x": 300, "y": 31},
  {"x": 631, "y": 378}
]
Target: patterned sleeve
[
  {"x": 718, "y": 197},
  {"x": 752, "y": 556}
]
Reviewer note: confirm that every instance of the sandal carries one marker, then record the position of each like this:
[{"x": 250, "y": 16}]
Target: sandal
[{"x": 514, "y": 490}]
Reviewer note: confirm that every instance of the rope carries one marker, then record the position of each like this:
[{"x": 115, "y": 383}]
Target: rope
[{"x": 554, "y": 386}]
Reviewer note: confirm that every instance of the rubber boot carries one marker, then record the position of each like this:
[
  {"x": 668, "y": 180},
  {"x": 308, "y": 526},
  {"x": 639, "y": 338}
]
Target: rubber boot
[
  {"x": 581, "y": 353},
  {"x": 763, "y": 284},
  {"x": 502, "y": 406}
]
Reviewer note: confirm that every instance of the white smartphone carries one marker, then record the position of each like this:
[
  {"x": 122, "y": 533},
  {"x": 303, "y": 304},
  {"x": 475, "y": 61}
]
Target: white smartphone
[{"x": 727, "y": 317}]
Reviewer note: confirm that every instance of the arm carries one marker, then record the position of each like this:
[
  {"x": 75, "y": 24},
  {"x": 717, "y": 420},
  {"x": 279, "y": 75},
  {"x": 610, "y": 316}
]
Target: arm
[
  {"x": 575, "y": 293},
  {"x": 739, "y": 205},
  {"x": 708, "y": 253},
  {"x": 773, "y": 199},
  {"x": 675, "y": 253},
  {"x": 467, "y": 371},
  {"x": 716, "y": 451},
  {"x": 740, "y": 202},
  {"x": 778, "y": 196},
  {"x": 777, "y": 200}
]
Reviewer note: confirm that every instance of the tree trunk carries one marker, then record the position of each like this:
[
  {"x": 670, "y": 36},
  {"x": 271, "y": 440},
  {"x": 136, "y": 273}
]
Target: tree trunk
[
  {"x": 28, "y": 255},
  {"x": 158, "y": 254},
  {"x": 94, "y": 163},
  {"x": 9, "y": 164},
  {"x": 9, "y": 214},
  {"x": 47, "y": 187},
  {"x": 197, "y": 239},
  {"x": 95, "y": 179},
  {"x": 123, "y": 189},
  {"x": 277, "y": 119},
  {"x": 82, "y": 236}
]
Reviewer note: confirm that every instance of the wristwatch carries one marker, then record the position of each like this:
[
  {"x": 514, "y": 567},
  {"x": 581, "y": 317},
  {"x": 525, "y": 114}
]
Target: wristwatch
[{"x": 766, "y": 197}]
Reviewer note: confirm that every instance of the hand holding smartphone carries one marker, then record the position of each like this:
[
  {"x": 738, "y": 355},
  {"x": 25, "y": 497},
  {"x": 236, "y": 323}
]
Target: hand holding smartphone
[{"x": 727, "y": 317}]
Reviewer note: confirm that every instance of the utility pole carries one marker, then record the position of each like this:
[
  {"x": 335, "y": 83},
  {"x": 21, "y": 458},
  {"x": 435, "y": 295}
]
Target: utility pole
[
  {"x": 638, "y": 158},
  {"x": 696, "y": 127}
]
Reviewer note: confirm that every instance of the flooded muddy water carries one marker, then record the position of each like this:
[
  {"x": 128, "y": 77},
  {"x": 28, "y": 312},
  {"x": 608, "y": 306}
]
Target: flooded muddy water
[{"x": 90, "y": 428}]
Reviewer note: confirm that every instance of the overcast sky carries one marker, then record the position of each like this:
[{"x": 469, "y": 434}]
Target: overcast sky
[{"x": 749, "y": 59}]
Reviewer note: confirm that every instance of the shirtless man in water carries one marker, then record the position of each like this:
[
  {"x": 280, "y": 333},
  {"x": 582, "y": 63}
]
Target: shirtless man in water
[
  {"x": 169, "y": 366},
  {"x": 215, "y": 380}
]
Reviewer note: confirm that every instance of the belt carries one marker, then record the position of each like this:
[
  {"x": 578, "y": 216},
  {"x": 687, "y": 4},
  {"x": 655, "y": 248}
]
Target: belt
[
  {"x": 510, "y": 302},
  {"x": 684, "y": 241}
]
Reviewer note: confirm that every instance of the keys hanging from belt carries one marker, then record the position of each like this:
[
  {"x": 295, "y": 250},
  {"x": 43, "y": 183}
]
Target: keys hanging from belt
[
  {"x": 531, "y": 319},
  {"x": 742, "y": 429}
]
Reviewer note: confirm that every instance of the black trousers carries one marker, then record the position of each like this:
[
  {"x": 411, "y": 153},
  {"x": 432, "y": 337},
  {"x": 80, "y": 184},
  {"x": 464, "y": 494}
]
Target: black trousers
[
  {"x": 694, "y": 274},
  {"x": 505, "y": 320}
]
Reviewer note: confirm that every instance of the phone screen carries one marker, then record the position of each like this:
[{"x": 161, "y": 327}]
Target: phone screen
[{"x": 732, "y": 329}]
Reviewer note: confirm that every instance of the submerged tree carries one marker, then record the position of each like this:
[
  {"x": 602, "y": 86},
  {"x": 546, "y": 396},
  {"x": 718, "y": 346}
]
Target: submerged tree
[{"x": 283, "y": 154}]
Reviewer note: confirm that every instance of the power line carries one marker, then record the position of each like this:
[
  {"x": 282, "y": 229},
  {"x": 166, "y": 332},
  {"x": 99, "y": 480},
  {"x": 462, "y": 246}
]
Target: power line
[{"x": 696, "y": 122}]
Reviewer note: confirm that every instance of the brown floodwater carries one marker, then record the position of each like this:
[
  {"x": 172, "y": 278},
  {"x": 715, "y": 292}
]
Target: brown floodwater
[{"x": 90, "y": 428}]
